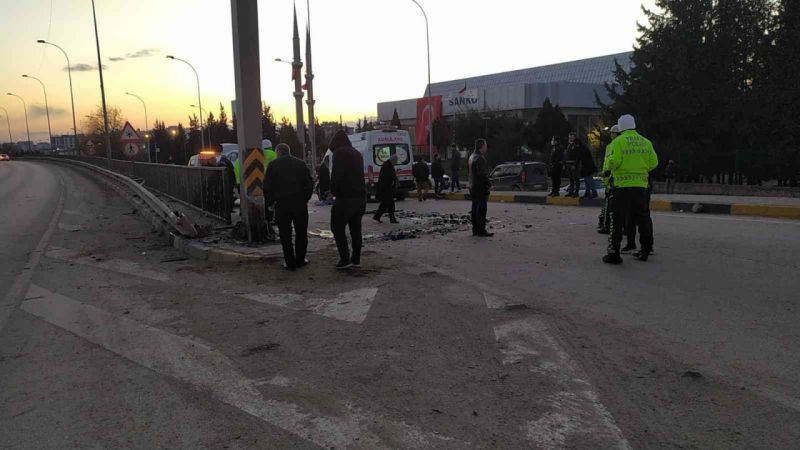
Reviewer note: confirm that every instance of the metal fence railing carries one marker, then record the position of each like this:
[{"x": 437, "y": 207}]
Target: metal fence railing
[{"x": 207, "y": 188}]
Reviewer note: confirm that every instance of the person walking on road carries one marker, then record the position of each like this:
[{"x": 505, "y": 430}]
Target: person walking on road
[
  {"x": 630, "y": 162},
  {"x": 386, "y": 189},
  {"x": 350, "y": 194},
  {"x": 421, "y": 176},
  {"x": 437, "y": 173},
  {"x": 604, "y": 222},
  {"x": 455, "y": 169},
  {"x": 556, "y": 166},
  {"x": 479, "y": 186},
  {"x": 571, "y": 162},
  {"x": 670, "y": 173},
  {"x": 323, "y": 182},
  {"x": 288, "y": 185},
  {"x": 587, "y": 168}
]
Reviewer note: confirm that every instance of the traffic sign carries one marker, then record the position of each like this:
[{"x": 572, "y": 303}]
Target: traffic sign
[{"x": 129, "y": 134}]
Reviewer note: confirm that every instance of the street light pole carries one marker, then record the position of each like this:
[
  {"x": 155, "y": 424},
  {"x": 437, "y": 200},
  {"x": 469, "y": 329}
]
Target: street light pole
[
  {"x": 71, "y": 96},
  {"x": 8, "y": 123},
  {"x": 428, "y": 40},
  {"x": 199, "y": 103},
  {"x": 145, "y": 124},
  {"x": 102, "y": 88},
  {"x": 25, "y": 109},
  {"x": 46, "y": 109}
]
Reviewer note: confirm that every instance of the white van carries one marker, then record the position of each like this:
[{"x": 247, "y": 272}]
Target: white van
[{"x": 376, "y": 147}]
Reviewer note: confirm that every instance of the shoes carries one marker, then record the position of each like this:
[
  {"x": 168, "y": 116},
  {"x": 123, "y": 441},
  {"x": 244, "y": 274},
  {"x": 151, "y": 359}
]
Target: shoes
[
  {"x": 554, "y": 194},
  {"x": 612, "y": 258},
  {"x": 641, "y": 256},
  {"x": 628, "y": 248},
  {"x": 394, "y": 221},
  {"x": 342, "y": 265},
  {"x": 303, "y": 263},
  {"x": 603, "y": 231},
  {"x": 483, "y": 234},
  {"x": 376, "y": 219},
  {"x": 288, "y": 267},
  {"x": 355, "y": 262}
]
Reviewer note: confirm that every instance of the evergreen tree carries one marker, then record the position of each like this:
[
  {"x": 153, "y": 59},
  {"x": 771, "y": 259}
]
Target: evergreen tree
[
  {"x": 396, "y": 120},
  {"x": 288, "y": 135},
  {"x": 268, "y": 127},
  {"x": 549, "y": 122}
]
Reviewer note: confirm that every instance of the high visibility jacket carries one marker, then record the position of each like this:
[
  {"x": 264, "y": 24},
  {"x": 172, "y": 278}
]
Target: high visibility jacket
[
  {"x": 631, "y": 160},
  {"x": 269, "y": 156},
  {"x": 606, "y": 179}
]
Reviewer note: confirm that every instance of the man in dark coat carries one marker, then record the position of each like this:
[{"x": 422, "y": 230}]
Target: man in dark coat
[
  {"x": 437, "y": 172},
  {"x": 421, "y": 173},
  {"x": 479, "y": 186},
  {"x": 455, "y": 169},
  {"x": 587, "y": 168},
  {"x": 323, "y": 182},
  {"x": 347, "y": 187},
  {"x": 556, "y": 165},
  {"x": 231, "y": 175},
  {"x": 288, "y": 184},
  {"x": 387, "y": 186},
  {"x": 571, "y": 163}
]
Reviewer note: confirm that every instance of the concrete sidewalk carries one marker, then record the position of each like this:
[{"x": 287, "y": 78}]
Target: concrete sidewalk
[{"x": 774, "y": 207}]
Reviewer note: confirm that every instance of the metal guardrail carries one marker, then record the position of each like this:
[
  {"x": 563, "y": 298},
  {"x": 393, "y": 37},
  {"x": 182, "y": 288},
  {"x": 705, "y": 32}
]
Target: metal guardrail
[{"x": 206, "y": 188}]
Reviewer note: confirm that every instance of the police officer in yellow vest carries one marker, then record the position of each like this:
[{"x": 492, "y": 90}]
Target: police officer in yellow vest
[
  {"x": 269, "y": 156},
  {"x": 630, "y": 162}
]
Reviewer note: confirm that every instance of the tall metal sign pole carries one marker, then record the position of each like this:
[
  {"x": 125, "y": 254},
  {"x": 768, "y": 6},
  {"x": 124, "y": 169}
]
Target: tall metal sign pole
[
  {"x": 247, "y": 73},
  {"x": 102, "y": 88},
  {"x": 312, "y": 120},
  {"x": 297, "y": 65}
]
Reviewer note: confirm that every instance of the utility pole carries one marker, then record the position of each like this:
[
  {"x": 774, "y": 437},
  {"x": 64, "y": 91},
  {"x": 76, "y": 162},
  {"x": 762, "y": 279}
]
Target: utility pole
[
  {"x": 8, "y": 123},
  {"x": 27, "y": 128},
  {"x": 71, "y": 96},
  {"x": 297, "y": 65},
  {"x": 312, "y": 120},
  {"x": 102, "y": 88},
  {"x": 247, "y": 75}
]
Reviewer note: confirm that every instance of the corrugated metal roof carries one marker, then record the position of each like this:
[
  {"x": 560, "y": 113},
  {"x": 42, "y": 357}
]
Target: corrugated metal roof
[{"x": 596, "y": 70}]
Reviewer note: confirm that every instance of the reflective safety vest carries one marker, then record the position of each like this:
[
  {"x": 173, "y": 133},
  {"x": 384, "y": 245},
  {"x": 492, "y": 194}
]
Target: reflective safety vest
[
  {"x": 269, "y": 156},
  {"x": 631, "y": 160}
]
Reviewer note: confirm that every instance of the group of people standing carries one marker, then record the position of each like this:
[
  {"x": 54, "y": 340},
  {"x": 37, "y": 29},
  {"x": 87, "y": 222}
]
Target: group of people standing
[{"x": 576, "y": 162}]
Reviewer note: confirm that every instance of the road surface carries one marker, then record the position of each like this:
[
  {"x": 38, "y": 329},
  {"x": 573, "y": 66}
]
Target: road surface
[{"x": 110, "y": 338}]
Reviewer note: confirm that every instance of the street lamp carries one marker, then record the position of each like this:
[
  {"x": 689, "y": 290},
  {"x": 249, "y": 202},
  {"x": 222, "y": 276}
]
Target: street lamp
[
  {"x": 25, "y": 109},
  {"x": 145, "y": 124},
  {"x": 200, "y": 107},
  {"x": 428, "y": 40},
  {"x": 201, "y": 129},
  {"x": 8, "y": 123},
  {"x": 283, "y": 61},
  {"x": 71, "y": 97},
  {"x": 46, "y": 108}
]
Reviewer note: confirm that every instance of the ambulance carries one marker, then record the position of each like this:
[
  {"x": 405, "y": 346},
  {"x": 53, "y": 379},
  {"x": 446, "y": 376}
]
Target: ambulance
[{"x": 376, "y": 147}]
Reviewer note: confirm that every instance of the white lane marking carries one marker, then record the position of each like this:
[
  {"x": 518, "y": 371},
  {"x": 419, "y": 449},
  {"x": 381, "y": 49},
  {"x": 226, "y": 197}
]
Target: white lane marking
[
  {"x": 577, "y": 410},
  {"x": 16, "y": 293},
  {"x": 114, "y": 265},
  {"x": 207, "y": 369},
  {"x": 351, "y": 306}
]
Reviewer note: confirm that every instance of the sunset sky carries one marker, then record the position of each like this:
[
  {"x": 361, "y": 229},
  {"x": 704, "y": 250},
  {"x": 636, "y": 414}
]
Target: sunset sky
[{"x": 365, "y": 51}]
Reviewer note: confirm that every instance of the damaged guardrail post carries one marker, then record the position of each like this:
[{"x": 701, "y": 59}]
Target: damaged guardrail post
[{"x": 247, "y": 73}]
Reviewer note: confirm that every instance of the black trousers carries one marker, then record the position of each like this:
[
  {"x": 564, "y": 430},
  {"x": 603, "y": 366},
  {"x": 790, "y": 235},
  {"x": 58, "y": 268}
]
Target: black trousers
[
  {"x": 386, "y": 205},
  {"x": 347, "y": 212},
  {"x": 438, "y": 185},
  {"x": 574, "y": 179},
  {"x": 479, "y": 207},
  {"x": 555, "y": 179},
  {"x": 630, "y": 204},
  {"x": 288, "y": 215}
]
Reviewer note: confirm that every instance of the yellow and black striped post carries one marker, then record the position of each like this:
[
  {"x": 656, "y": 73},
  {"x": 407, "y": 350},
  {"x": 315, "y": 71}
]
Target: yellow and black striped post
[{"x": 254, "y": 172}]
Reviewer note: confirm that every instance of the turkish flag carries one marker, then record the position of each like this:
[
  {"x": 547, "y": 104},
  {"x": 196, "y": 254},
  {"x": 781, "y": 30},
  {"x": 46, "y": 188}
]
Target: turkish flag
[{"x": 428, "y": 110}]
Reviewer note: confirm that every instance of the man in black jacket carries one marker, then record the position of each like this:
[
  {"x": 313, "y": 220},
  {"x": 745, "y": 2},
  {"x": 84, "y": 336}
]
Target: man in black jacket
[
  {"x": 347, "y": 187},
  {"x": 571, "y": 163},
  {"x": 387, "y": 186},
  {"x": 288, "y": 184},
  {"x": 556, "y": 164},
  {"x": 421, "y": 173},
  {"x": 479, "y": 186},
  {"x": 437, "y": 173},
  {"x": 587, "y": 168},
  {"x": 455, "y": 169}
]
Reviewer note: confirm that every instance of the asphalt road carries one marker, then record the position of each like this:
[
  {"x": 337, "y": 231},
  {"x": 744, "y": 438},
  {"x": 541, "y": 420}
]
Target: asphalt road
[{"x": 112, "y": 339}]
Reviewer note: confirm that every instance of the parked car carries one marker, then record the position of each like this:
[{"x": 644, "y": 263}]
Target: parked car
[
  {"x": 446, "y": 178},
  {"x": 598, "y": 185},
  {"x": 4, "y": 157},
  {"x": 519, "y": 176}
]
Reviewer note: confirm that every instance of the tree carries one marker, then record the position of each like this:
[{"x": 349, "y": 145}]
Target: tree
[
  {"x": 442, "y": 134},
  {"x": 94, "y": 129},
  {"x": 268, "y": 126},
  {"x": 549, "y": 122},
  {"x": 396, "y": 120},
  {"x": 288, "y": 135}
]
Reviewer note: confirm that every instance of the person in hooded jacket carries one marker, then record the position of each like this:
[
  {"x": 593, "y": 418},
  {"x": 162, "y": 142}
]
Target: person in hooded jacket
[
  {"x": 587, "y": 169},
  {"x": 437, "y": 173},
  {"x": 350, "y": 194},
  {"x": 455, "y": 169},
  {"x": 386, "y": 189},
  {"x": 323, "y": 182},
  {"x": 556, "y": 166},
  {"x": 571, "y": 165}
]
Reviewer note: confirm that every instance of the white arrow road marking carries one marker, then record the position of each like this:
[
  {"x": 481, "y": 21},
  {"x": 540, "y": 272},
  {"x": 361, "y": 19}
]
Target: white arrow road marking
[
  {"x": 351, "y": 306},
  {"x": 208, "y": 369},
  {"x": 576, "y": 410},
  {"x": 114, "y": 265}
]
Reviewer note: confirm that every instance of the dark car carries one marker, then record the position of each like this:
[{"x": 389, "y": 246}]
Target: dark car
[{"x": 520, "y": 176}]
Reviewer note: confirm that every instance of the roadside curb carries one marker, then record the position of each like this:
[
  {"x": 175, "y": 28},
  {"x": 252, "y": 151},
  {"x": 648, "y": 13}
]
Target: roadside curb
[{"x": 769, "y": 211}]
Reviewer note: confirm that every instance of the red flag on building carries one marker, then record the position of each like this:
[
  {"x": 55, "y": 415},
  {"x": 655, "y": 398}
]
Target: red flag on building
[{"x": 428, "y": 110}]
